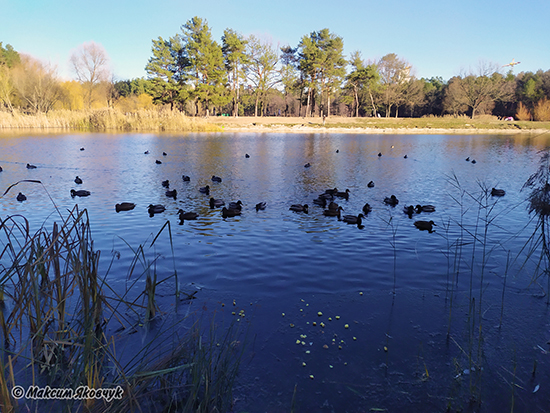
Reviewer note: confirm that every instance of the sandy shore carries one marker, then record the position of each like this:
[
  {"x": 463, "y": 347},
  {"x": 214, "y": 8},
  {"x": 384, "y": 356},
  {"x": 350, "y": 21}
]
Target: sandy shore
[{"x": 345, "y": 125}]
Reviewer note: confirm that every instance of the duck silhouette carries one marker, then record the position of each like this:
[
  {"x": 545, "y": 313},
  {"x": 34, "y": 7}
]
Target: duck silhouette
[
  {"x": 80, "y": 192},
  {"x": 299, "y": 208},
  {"x": 260, "y": 206},
  {"x": 77, "y": 180},
  {"x": 424, "y": 225},
  {"x": 124, "y": 206},
  {"x": 228, "y": 213},
  {"x": 21, "y": 197},
  {"x": 216, "y": 203}
]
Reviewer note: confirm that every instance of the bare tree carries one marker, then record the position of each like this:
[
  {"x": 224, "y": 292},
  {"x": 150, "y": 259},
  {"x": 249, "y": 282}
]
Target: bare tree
[{"x": 91, "y": 65}]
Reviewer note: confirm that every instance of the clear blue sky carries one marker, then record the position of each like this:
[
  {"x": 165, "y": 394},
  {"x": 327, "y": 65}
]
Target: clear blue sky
[{"x": 438, "y": 38}]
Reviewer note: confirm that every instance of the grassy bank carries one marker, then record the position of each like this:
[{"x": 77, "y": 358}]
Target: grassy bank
[
  {"x": 451, "y": 123},
  {"x": 107, "y": 120},
  {"x": 162, "y": 120}
]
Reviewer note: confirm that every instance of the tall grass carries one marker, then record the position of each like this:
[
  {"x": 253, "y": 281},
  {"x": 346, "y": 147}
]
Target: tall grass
[
  {"x": 64, "y": 326},
  {"x": 108, "y": 120}
]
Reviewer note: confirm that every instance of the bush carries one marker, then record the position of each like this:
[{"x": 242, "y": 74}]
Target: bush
[
  {"x": 523, "y": 113},
  {"x": 542, "y": 110}
]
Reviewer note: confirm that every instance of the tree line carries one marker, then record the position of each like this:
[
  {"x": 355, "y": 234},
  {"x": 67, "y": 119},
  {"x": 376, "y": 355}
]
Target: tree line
[{"x": 248, "y": 76}]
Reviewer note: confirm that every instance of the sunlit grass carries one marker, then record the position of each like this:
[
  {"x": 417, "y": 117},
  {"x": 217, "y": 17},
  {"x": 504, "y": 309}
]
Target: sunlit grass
[{"x": 107, "y": 120}]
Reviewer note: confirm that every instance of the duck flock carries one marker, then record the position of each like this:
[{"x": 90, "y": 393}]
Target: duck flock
[{"x": 327, "y": 201}]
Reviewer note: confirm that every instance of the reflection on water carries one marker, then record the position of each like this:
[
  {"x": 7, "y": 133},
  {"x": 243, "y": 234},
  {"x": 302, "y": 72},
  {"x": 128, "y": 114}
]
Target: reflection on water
[{"x": 277, "y": 253}]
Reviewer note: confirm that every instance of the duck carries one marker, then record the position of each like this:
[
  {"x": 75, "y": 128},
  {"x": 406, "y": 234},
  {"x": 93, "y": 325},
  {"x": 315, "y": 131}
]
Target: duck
[
  {"x": 392, "y": 200},
  {"x": 205, "y": 190},
  {"x": 146, "y": 152},
  {"x": 260, "y": 206},
  {"x": 322, "y": 202},
  {"x": 172, "y": 194},
  {"x": 187, "y": 215},
  {"x": 236, "y": 205},
  {"x": 1, "y": 169},
  {"x": 379, "y": 154},
  {"x": 156, "y": 209},
  {"x": 333, "y": 206},
  {"x": 333, "y": 212},
  {"x": 246, "y": 155},
  {"x": 77, "y": 180},
  {"x": 307, "y": 165},
  {"x": 228, "y": 213},
  {"x": 21, "y": 197},
  {"x": 216, "y": 203},
  {"x": 409, "y": 210},
  {"x": 425, "y": 208},
  {"x": 468, "y": 159},
  {"x": 330, "y": 192},
  {"x": 186, "y": 178},
  {"x": 498, "y": 192},
  {"x": 166, "y": 183},
  {"x": 352, "y": 219},
  {"x": 216, "y": 178},
  {"x": 29, "y": 166},
  {"x": 80, "y": 192},
  {"x": 424, "y": 225},
  {"x": 474, "y": 161},
  {"x": 344, "y": 194},
  {"x": 367, "y": 208},
  {"x": 370, "y": 184},
  {"x": 164, "y": 154},
  {"x": 158, "y": 162},
  {"x": 124, "y": 206},
  {"x": 81, "y": 149},
  {"x": 299, "y": 208},
  {"x": 405, "y": 157}
]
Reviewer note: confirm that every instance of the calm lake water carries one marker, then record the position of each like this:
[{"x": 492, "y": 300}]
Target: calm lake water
[{"x": 399, "y": 290}]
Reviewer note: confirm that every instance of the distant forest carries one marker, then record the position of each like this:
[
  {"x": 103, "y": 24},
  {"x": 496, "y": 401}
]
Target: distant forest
[{"x": 247, "y": 76}]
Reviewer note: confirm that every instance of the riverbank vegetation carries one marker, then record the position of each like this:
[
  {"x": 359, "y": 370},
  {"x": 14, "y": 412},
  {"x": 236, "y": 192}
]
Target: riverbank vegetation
[
  {"x": 63, "y": 325},
  {"x": 193, "y": 74}
]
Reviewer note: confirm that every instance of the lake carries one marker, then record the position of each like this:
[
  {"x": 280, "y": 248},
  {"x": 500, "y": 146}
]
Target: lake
[{"x": 387, "y": 293}]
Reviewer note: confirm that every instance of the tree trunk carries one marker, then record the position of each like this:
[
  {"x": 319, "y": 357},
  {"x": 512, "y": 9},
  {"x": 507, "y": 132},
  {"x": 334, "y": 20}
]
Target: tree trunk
[
  {"x": 372, "y": 103},
  {"x": 256, "y": 105},
  {"x": 356, "y": 101},
  {"x": 328, "y": 104},
  {"x": 308, "y": 102}
]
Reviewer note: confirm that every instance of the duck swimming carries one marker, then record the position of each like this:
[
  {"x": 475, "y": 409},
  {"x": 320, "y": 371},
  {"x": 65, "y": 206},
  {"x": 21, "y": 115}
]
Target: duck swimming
[
  {"x": 29, "y": 166},
  {"x": 21, "y": 197},
  {"x": 367, "y": 208},
  {"x": 205, "y": 190},
  {"x": 158, "y": 162},
  {"x": 392, "y": 200},
  {"x": 260, "y": 206},
  {"x": 236, "y": 205},
  {"x": 299, "y": 208},
  {"x": 498, "y": 192},
  {"x": 185, "y": 178},
  {"x": 344, "y": 194},
  {"x": 187, "y": 215},
  {"x": 228, "y": 213},
  {"x": 124, "y": 206},
  {"x": 333, "y": 212},
  {"x": 333, "y": 206},
  {"x": 80, "y": 192},
  {"x": 425, "y": 208},
  {"x": 424, "y": 225},
  {"x": 216, "y": 178},
  {"x": 216, "y": 203},
  {"x": 166, "y": 183},
  {"x": 352, "y": 219},
  {"x": 172, "y": 194},
  {"x": 77, "y": 180},
  {"x": 370, "y": 184},
  {"x": 156, "y": 209},
  {"x": 409, "y": 210}
]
